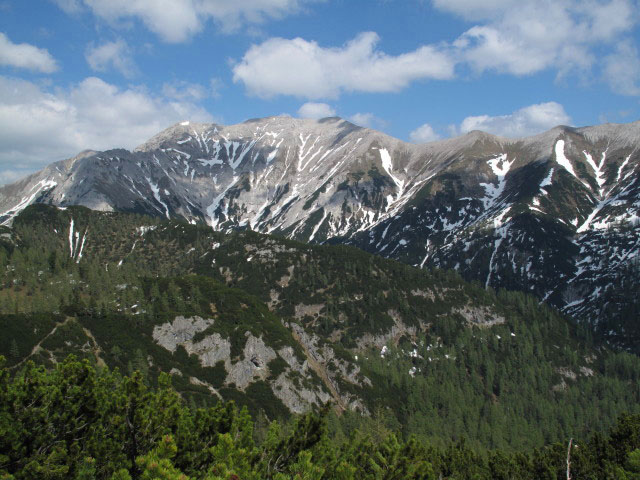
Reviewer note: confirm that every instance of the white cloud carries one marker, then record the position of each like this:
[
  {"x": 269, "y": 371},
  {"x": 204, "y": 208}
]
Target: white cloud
[
  {"x": 423, "y": 134},
  {"x": 521, "y": 123},
  {"x": 488, "y": 48},
  {"x": 23, "y": 55},
  {"x": 368, "y": 120},
  {"x": 178, "y": 20},
  {"x": 172, "y": 20},
  {"x": 182, "y": 90},
  {"x": 38, "y": 126},
  {"x": 69, "y": 6},
  {"x": 522, "y": 37},
  {"x": 230, "y": 15},
  {"x": 622, "y": 69},
  {"x": 363, "y": 119},
  {"x": 316, "y": 110},
  {"x": 305, "y": 69},
  {"x": 516, "y": 37},
  {"x": 116, "y": 55}
]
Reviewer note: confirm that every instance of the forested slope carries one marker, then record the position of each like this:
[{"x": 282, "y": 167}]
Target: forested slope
[{"x": 285, "y": 327}]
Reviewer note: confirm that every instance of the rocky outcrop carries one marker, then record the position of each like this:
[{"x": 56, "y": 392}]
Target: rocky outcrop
[
  {"x": 180, "y": 331},
  {"x": 214, "y": 348},
  {"x": 295, "y": 387},
  {"x": 480, "y": 316},
  {"x": 297, "y": 398},
  {"x": 302, "y": 310},
  {"x": 423, "y": 293},
  {"x": 331, "y": 369},
  {"x": 397, "y": 331},
  {"x": 210, "y": 350},
  {"x": 252, "y": 366}
]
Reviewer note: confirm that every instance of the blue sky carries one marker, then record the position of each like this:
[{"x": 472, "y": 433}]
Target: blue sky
[{"x": 98, "y": 74}]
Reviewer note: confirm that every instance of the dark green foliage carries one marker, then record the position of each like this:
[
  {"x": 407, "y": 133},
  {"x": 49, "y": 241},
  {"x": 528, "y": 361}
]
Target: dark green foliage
[
  {"x": 22, "y": 332},
  {"x": 14, "y": 352},
  {"x": 79, "y": 423}
]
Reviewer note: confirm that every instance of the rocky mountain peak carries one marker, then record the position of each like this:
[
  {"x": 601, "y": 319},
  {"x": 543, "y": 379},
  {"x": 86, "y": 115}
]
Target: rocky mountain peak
[
  {"x": 173, "y": 134},
  {"x": 539, "y": 214}
]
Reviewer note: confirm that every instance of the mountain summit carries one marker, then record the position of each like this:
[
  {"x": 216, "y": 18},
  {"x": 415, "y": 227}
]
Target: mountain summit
[{"x": 555, "y": 214}]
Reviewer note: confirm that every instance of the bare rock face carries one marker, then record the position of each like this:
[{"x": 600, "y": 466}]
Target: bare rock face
[
  {"x": 288, "y": 355},
  {"x": 295, "y": 387},
  {"x": 291, "y": 391},
  {"x": 332, "y": 370},
  {"x": 297, "y": 398},
  {"x": 180, "y": 331},
  {"x": 214, "y": 348},
  {"x": 302, "y": 310},
  {"x": 256, "y": 356},
  {"x": 210, "y": 350}
]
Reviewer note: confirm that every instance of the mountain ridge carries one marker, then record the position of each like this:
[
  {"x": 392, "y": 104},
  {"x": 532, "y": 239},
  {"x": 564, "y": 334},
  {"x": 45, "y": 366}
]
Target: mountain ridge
[{"x": 555, "y": 214}]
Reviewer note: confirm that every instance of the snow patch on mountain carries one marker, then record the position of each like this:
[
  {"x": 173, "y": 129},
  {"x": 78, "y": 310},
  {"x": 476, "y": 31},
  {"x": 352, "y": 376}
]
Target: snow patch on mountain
[
  {"x": 156, "y": 194},
  {"x": 562, "y": 160},
  {"x": 597, "y": 169},
  {"x": 26, "y": 200},
  {"x": 500, "y": 167}
]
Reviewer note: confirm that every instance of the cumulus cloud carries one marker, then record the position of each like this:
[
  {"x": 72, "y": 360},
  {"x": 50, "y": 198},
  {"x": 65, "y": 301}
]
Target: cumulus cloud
[
  {"x": 368, "y": 120},
  {"x": 518, "y": 36},
  {"x": 316, "y": 110},
  {"x": 39, "y": 126},
  {"x": 111, "y": 55},
  {"x": 515, "y": 37},
  {"x": 173, "y": 21},
  {"x": 183, "y": 90},
  {"x": 305, "y": 69},
  {"x": 622, "y": 69},
  {"x": 362, "y": 119},
  {"x": 521, "y": 123},
  {"x": 178, "y": 20},
  {"x": 24, "y": 55},
  {"x": 423, "y": 134}
]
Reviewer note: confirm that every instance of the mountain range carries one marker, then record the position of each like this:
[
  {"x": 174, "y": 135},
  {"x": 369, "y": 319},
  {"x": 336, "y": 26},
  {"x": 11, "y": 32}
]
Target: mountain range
[{"x": 556, "y": 215}]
